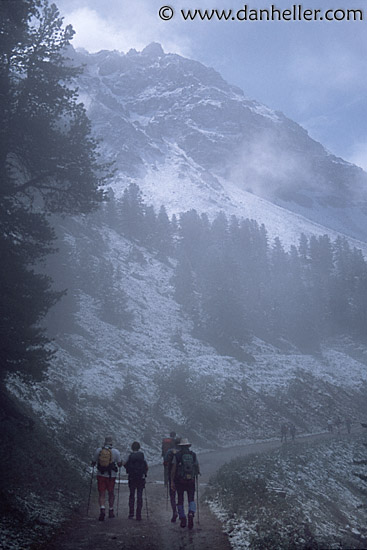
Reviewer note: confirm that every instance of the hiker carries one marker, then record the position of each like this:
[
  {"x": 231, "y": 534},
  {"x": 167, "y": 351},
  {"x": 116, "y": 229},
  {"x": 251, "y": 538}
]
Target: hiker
[
  {"x": 338, "y": 424},
  {"x": 168, "y": 459},
  {"x": 283, "y": 432},
  {"x": 137, "y": 469},
  {"x": 108, "y": 461},
  {"x": 292, "y": 430},
  {"x": 348, "y": 424},
  {"x": 167, "y": 444},
  {"x": 330, "y": 426},
  {"x": 185, "y": 468}
]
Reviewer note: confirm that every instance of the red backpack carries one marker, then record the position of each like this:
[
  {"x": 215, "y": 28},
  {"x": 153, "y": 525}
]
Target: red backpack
[{"x": 167, "y": 444}]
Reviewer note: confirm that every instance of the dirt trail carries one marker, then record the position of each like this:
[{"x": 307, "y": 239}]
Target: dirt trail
[{"x": 155, "y": 531}]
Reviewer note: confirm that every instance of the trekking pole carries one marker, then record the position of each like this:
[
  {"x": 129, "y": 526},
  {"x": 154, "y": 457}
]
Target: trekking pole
[
  {"x": 146, "y": 500},
  {"x": 118, "y": 494},
  {"x": 167, "y": 489},
  {"x": 90, "y": 490},
  {"x": 197, "y": 497}
]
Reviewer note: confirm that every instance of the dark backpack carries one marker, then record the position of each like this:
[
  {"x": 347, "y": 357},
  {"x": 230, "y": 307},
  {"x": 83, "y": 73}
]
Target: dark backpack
[
  {"x": 105, "y": 462},
  {"x": 136, "y": 466},
  {"x": 187, "y": 467}
]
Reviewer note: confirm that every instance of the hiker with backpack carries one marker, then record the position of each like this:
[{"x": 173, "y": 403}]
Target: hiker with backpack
[
  {"x": 167, "y": 444},
  {"x": 168, "y": 460},
  {"x": 137, "y": 469},
  {"x": 108, "y": 461},
  {"x": 185, "y": 469}
]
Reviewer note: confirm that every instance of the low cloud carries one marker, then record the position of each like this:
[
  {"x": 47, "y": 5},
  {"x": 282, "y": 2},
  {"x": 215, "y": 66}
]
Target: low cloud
[
  {"x": 122, "y": 27},
  {"x": 358, "y": 155},
  {"x": 267, "y": 164}
]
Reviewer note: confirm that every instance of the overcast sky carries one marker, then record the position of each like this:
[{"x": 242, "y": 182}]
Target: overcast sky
[{"x": 315, "y": 72}]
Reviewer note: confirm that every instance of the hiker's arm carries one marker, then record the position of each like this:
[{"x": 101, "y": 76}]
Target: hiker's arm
[
  {"x": 95, "y": 460},
  {"x": 118, "y": 459}
]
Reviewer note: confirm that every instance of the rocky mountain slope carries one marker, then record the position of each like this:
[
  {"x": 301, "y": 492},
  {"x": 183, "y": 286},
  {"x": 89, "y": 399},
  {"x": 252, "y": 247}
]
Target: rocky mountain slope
[
  {"x": 180, "y": 131},
  {"x": 191, "y": 140}
]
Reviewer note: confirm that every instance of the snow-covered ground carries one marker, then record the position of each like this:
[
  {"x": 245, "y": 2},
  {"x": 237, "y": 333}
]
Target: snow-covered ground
[
  {"x": 301, "y": 495},
  {"x": 142, "y": 373}
]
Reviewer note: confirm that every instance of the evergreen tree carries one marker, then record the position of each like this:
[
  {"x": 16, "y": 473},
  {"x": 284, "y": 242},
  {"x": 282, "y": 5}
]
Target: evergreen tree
[
  {"x": 48, "y": 163},
  {"x": 184, "y": 283},
  {"x": 164, "y": 238},
  {"x": 150, "y": 228},
  {"x": 131, "y": 212},
  {"x": 191, "y": 236}
]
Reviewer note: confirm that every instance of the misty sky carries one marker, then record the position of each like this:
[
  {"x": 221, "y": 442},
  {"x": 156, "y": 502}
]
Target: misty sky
[{"x": 314, "y": 72}]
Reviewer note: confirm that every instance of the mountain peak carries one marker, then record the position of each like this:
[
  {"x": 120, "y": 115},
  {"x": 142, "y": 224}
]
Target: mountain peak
[{"x": 154, "y": 49}]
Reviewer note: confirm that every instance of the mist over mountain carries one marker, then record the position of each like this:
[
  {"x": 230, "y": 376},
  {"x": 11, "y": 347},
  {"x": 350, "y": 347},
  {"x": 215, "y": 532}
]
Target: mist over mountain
[
  {"x": 177, "y": 317},
  {"x": 191, "y": 140}
]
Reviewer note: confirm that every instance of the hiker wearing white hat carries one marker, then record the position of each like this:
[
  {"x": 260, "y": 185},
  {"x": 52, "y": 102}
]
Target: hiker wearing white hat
[{"x": 185, "y": 469}]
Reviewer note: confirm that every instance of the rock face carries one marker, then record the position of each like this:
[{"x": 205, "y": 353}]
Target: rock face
[{"x": 191, "y": 140}]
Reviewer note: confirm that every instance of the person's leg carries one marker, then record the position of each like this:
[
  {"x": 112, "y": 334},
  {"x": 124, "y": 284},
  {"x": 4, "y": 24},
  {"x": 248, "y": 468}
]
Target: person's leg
[
  {"x": 101, "y": 484},
  {"x": 102, "y": 498},
  {"x": 131, "y": 498},
  {"x": 180, "y": 504},
  {"x": 139, "y": 498},
  {"x": 172, "y": 496},
  {"x": 192, "y": 503},
  {"x": 111, "y": 496}
]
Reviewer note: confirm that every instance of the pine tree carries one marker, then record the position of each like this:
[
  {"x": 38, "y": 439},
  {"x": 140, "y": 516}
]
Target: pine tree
[
  {"x": 131, "y": 213},
  {"x": 164, "y": 239},
  {"x": 48, "y": 163}
]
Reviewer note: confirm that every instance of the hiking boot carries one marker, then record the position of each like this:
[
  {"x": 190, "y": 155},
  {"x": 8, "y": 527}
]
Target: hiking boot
[
  {"x": 101, "y": 515},
  {"x": 131, "y": 516},
  {"x": 191, "y": 520},
  {"x": 174, "y": 517},
  {"x": 111, "y": 514},
  {"x": 183, "y": 522},
  {"x": 138, "y": 517}
]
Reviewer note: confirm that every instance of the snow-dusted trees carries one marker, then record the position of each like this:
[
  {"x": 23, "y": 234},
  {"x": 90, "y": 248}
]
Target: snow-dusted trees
[
  {"x": 234, "y": 283},
  {"x": 140, "y": 223},
  {"x": 243, "y": 286}
]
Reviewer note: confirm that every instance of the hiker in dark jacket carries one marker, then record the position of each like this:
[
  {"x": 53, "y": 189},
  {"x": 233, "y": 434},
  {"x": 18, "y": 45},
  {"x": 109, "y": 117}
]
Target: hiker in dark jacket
[
  {"x": 185, "y": 468},
  {"x": 137, "y": 469},
  {"x": 108, "y": 460},
  {"x": 168, "y": 459}
]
